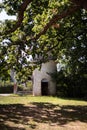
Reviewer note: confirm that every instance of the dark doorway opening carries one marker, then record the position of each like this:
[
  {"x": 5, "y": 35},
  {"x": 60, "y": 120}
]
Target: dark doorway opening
[{"x": 44, "y": 87}]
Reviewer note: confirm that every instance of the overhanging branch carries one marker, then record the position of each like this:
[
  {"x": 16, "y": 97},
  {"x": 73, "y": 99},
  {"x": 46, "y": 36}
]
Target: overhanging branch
[
  {"x": 82, "y": 3},
  {"x": 20, "y": 15},
  {"x": 55, "y": 18}
]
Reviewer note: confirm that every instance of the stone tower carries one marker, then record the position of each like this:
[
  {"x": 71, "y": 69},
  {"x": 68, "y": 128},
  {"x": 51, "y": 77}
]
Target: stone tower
[{"x": 42, "y": 82}]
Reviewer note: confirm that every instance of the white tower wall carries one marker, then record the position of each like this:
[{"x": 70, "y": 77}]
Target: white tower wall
[{"x": 39, "y": 76}]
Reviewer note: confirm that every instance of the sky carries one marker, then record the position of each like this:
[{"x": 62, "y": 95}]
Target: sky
[{"x": 4, "y": 16}]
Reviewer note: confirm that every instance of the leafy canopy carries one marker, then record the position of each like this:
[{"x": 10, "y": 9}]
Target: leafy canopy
[{"x": 44, "y": 28}]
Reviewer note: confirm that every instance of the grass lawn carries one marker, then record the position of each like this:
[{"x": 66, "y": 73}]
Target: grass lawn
[{"x": 42, "y": 113}]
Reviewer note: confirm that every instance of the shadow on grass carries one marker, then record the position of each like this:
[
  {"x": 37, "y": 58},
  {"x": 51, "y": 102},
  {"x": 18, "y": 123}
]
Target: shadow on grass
[{"x": 12, "y": 116}]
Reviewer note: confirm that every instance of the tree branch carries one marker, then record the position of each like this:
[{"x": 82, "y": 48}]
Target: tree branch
[
  {"x": 55, "y": 18},
  {"x": 82, "y": 3},
  {"x": 20, "y": 15}
]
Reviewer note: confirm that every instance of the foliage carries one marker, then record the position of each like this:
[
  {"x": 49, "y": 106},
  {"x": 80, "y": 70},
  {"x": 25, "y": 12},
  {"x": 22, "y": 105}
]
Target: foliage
[
  {"x": 70, "y": 85},
  {"x": 44, "y": 29},
  {"x": 7, "y": 86}
]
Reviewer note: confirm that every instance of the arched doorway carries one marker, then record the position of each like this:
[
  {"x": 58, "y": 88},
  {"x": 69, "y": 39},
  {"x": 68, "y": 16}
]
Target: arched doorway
[{"x": 44, "y": 87}]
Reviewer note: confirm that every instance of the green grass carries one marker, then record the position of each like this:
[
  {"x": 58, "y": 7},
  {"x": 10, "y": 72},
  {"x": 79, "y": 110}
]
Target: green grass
[
  {"x": 15, "y": 99},
  {"x": 39, "y": 113}
]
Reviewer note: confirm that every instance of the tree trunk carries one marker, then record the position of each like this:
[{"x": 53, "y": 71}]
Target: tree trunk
[{"x": 15, "y": 88}]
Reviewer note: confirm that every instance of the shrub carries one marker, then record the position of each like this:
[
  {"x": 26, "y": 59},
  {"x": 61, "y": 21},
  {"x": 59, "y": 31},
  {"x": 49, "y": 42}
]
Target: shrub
[
  {"x": 73, "y": 86},
  {"x": 9, "y": 88}
]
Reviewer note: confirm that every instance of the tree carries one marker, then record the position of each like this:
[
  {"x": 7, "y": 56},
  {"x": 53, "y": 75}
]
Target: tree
[{"x": 56, "y": 26}]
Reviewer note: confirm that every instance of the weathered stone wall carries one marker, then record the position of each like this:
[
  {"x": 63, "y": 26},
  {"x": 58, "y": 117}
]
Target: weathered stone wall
[{"x": 38, "y": 76}]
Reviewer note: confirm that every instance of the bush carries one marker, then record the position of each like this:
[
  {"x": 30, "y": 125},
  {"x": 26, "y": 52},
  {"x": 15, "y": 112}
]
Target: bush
[
  {"x": 73, "y": 86},
  {"x": 8, "y": 88}
]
